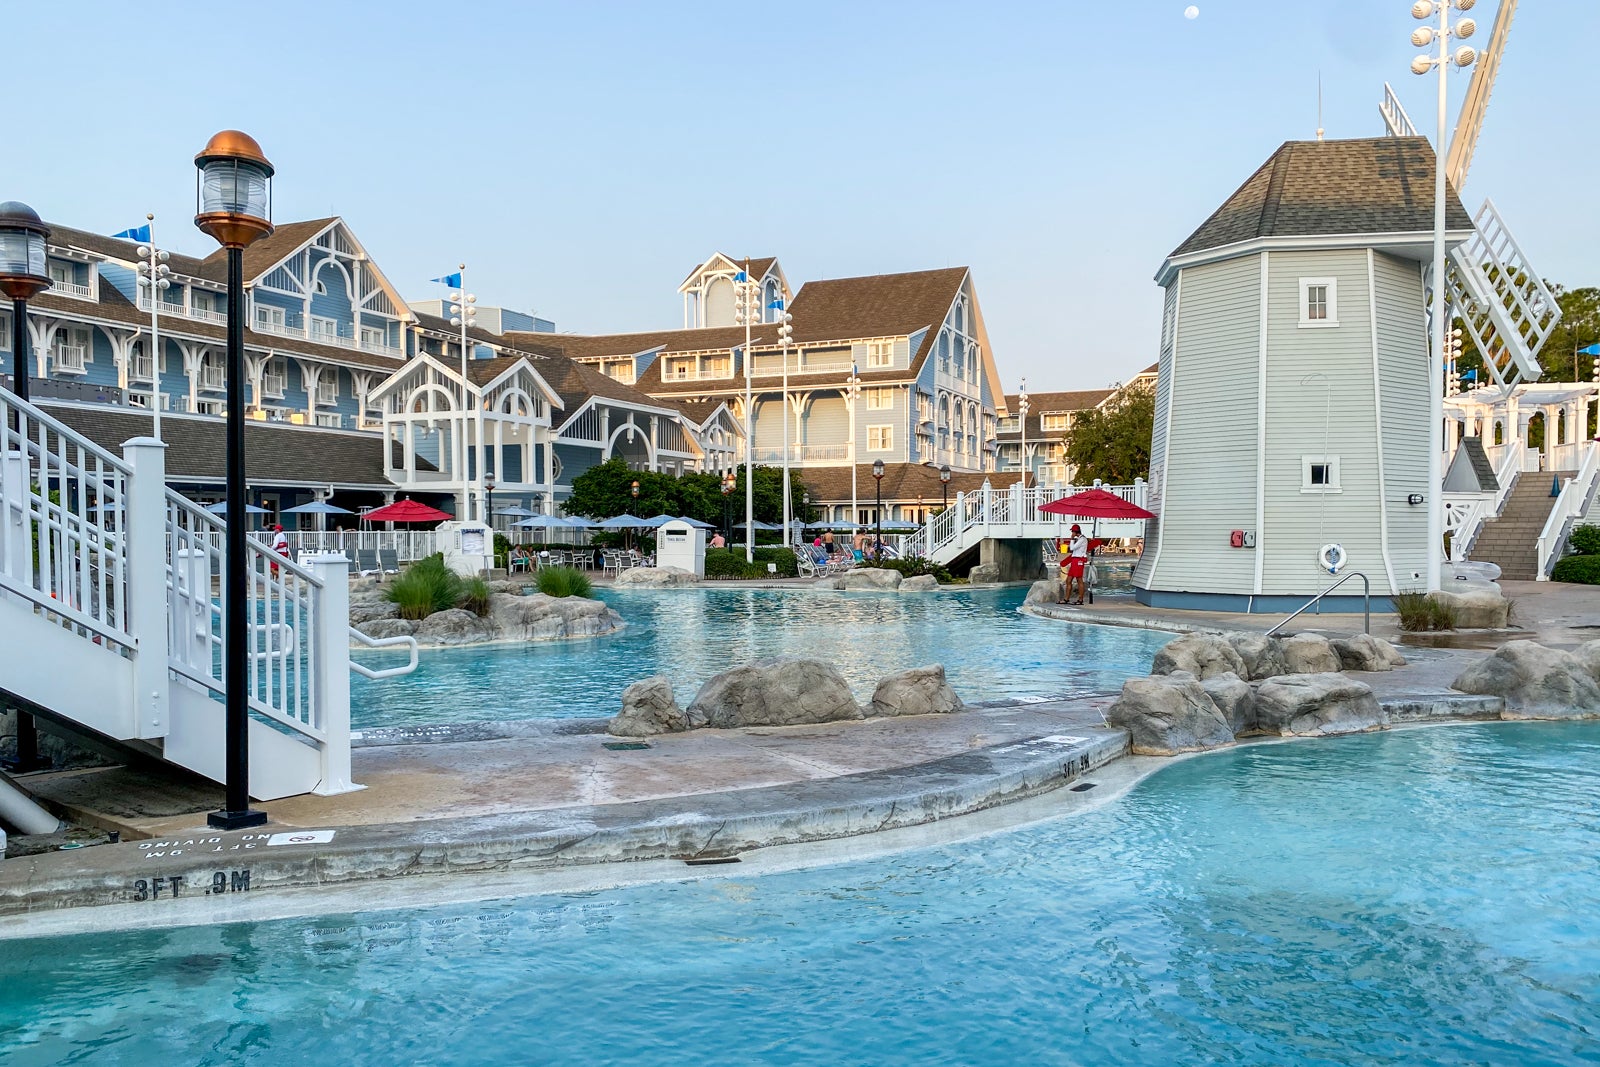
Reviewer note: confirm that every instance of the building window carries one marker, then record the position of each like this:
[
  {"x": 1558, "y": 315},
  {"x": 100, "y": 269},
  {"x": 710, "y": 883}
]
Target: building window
[
  {"x": 880, "y": 438},
  {"x": 270, "y": 319},
  {"x": 72, "y": 351},
  {"x": 1319, "y": 302},
  {"x": 374, "y": 338},
  {"x": 880, "y": 353},
  {"x": 1319, "y": 474},
  {"x": 324, "y": 330},
  {"x": 321, "y": 287},
  {"x": 328, "y": 388},
  {"x": 880, "y": 399},
  {"x": 1058, "y": 421},
  {"x": 1010, "y": 424},
  {"x": 274, "y": 379}
]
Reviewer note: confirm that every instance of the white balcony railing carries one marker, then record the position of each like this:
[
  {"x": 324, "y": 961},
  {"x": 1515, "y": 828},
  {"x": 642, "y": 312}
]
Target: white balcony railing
[
  {"x": 211, "y": 377},
  {"x": 277, "y": 328},
  {"x": 83, "y": 292},
  {"x": 805, "y": 454},
  {"x": 272, "y": 385},
  {"x": 68, "y": 359},
  {"x": 220, "y": 318},
  {"x": 141, "y": 368}
]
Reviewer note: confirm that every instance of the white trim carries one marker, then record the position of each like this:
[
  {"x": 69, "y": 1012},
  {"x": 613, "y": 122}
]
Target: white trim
[
  {"x": 1377, "y": 421},
  {"x": 1313, "y": 242},
  {"x": 1261, "y": 431},
  {"x": 1332, "y": 486},
  {"x": 1166, "y": 448},
  {"x": 1330, "y": 301}
]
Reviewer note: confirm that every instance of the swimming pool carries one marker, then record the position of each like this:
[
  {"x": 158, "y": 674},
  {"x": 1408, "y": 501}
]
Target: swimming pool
[
  {"x": 988, "y": 649},
  {"x": 1424, "y": 896}
]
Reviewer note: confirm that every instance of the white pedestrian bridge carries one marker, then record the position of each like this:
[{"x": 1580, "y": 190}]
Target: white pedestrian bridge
[
  {"x": 113, "y": 624},
  {"x": 1014, "y": 514}
]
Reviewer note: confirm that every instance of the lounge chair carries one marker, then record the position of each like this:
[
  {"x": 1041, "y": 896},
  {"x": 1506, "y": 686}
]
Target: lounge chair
[
  {"x": 389, "y": 560},
  {"x": 366, "y": 561},
  {"x": 805, "y": 563}
]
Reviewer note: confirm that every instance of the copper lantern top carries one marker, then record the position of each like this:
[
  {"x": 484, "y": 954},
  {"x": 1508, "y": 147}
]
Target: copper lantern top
[{"x": 233, "y": 144}]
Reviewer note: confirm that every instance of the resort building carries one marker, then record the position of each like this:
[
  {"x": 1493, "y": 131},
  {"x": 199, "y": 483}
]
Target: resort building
[
  {"x": 1291, "y": 425},
  {"x": 1049, "y": 420}
]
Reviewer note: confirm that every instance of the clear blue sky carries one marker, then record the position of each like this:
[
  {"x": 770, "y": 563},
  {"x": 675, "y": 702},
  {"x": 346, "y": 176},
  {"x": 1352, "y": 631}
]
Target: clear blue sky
[{"x": 582, "y": 157}]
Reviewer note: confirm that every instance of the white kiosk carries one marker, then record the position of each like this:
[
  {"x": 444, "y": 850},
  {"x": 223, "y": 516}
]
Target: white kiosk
[
  {"x": 682, "y": 545},
  {"x": 468, "y": 547}
]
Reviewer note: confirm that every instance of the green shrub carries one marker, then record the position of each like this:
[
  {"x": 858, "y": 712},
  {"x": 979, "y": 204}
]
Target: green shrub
[
  {"x": 783, "y": 557},
  {"x": 730, "y": 563},
  {"x": 1585, "y": 540},
  {"x": 913, "y": 567},
  {"x": 425, "y": 587},
  {"x": 1583, "y": 570},
  {"x": 475, "y": 596},
  {"x": 1421, "y": 613},
  {"x": 564, "y": 581}
]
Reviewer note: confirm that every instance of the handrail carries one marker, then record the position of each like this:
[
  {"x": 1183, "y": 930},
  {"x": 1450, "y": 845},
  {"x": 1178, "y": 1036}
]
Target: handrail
[
  {"x": 1572, "y": 501},
  {"x": 1367, "y": 594},
  {"x": 384, "y": 642}
]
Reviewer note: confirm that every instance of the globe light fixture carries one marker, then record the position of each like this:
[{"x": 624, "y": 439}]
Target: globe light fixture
[{"x": 22, "y": 276}]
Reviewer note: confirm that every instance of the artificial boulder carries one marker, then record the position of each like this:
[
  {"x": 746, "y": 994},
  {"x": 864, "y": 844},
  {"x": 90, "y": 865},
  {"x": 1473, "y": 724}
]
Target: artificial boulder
[
  {"x": 548, "y": 618},
  {"x": 1202, "y": 655},
  {"x": 918, "y": 691},
  {"x": 919, "y": 583},
  {"x": 1312, "y": 705},
  {"x": 1262, "y": 656},
  {"x": 1478, "y": 605},
  {"x": 378, "y": 628},
  {"x": 1234, "y": 698},
  {"x": 657, "y": 576},
  {"x": 370, "y": 605},
  {"x": 1589, "y": 655},
  {"x": 1165, "y": 714},
  {"x": 454, "y": 626},
  {"x": 1363, "y": 652},
  {"x": 870, "y": 578},
  {"x": 648, "y": 708},
  {"x": 1308, "y": 654},
  {"x": 1536, "y": 682},
  {"x": 984, "y": 574},
  {"x": 1044, "y": 591},
  {"x": 775, "y": 692}
]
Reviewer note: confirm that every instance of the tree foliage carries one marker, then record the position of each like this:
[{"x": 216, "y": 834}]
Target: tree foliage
[
  {"x": 605, "y": 490},
  {"x": 1112, "y": 443}
]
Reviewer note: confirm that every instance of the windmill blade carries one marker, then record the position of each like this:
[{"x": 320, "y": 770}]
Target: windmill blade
[
  {"x": 1470, "y": 123},
  {"x": 1502, "y": 301},
  {"x": 1395, "y": 119}
]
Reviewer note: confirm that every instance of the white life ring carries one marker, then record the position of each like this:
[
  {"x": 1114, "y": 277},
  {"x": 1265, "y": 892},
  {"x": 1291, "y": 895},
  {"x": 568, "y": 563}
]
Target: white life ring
[{"x": 1332, "y": 558}]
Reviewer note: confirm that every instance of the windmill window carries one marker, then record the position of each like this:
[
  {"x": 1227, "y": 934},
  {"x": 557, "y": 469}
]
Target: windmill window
[
  {"x": 1319, "y": 302},
  {"x": 1319, "y": 474}
]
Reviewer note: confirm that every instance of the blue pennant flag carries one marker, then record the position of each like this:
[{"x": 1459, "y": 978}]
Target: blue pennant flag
[
  {"x": 452, "y": 280},
  {"x": 137, "y": 233},
  {"x": 1590, "y": 350},
  {"x": 776, "y": 305},
  {"x": 1469, "y": 375},
  {"x": 741, "y": 277}
]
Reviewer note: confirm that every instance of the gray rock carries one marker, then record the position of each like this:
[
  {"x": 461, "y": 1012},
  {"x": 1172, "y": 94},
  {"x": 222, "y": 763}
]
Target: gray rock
[
  {"x": 1044, "y": 591},
  {"x": 371, "y": 609},
  {"x": 775, "y": 692},
  {"x": 1479, "y": 605},
  {"x": 657, "y": 576},
  {"x": 1589, "y": 655},
  {"x": 1311, "y": 705},
  {"x": 1363, "y": 652},
  {"x": 825, "y": 583},
  {"x": 920, "y": 583},
  {"x": 1536, "y": 682},
  {"x": 918, "y": 691},
  {"x": 1262, "y": 656},
  {"x": 547, "y": 618},
  {"x": 870, "y": 578},
  {"x": 455, "y": 626},
  {"x": 648, "y": 707},
  {"x": 1309, "y": 654},
  {"x": 1202, "y": 655},
  {"x": 1165, "y": 714},
  {"x": 387, "y": 628},
  {"x": 984, "y": 574},
  {"x": 1235, "y": 699}
]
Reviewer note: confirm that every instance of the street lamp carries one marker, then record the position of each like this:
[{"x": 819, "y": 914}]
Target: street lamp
[
  {"x": 153, "y": 271},
  {"x": 1465, "y": 56},
  {"x": 785, "y": 335},
  {"x": 746, "y": 311},
  {"x": 805, "y": 512},
  {"x": 729, "y": 483},
  {"x": 463, "y": 314},
  {"x": 852, "y": 393},
  {"x": 488, "y": 494},
  {"x": 233, "y": 193},
  {"x": 944, "y": 487},
  {"x": 22, "y": 276},
  {"x": 1022, "y": 421},
  {"x": 877, "y": 474}
]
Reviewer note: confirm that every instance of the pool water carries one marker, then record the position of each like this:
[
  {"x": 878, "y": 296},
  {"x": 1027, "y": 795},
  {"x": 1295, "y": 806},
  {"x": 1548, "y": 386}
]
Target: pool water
[
  {"x": 988, "y": 649},
  {"x": 1425, "y": 896}
]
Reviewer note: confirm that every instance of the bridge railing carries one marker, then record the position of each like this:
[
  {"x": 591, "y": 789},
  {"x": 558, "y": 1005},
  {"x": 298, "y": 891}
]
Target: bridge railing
[{"x": 1008, "y": 512}]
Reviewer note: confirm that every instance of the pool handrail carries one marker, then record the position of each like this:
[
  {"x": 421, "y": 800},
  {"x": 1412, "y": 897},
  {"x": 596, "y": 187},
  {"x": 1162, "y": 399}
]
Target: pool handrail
[
  {"x": 384, "y": 642},
  {"x": 1366, "y": 596}
]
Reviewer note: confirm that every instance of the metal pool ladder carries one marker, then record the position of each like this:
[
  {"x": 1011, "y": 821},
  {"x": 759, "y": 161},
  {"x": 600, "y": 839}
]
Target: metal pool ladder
[{"x": 1366, "y": 593}]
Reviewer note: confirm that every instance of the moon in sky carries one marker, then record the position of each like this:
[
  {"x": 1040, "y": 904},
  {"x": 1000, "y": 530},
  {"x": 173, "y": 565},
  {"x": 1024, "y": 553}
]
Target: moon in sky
[{"x": 1191, "y": 12}]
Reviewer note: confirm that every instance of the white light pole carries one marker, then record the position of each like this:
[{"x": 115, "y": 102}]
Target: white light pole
[
  {"x": 852, "y": 393},
  {"x": 1022, "y": 421},
  {"x": 746, "y": 307},
  {"x": 1465, "y": 56},
  {"x": 153, "y": 271},
  {"x": 464, "y": 314},
  {"x": 785, "y": 334}
]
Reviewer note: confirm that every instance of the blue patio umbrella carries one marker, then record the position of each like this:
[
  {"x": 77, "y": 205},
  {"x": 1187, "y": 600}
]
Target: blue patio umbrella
[
  {"x": 696, "y": 523},
  {"x": 517, "y": 512},
  {"x": 658, "y": 520},
  {"x": 317, "y": 507},
  {"x": 221, "y": 508},
  {"x": 551, "y": 522},
  {"x": 623, "y": 522}
]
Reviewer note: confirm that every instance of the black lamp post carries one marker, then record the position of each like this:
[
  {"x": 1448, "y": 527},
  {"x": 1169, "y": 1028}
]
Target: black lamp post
[
  {"x": 729, "y": 483},
  {"x": 805, "y": 512},
  {"x": 944, "y": 487},
  {"x": 877, "y": 477},
  {"x": 633, "y": 502},
  {"x": 233, "y": 194},
  {"x": 22, "y": 275}
]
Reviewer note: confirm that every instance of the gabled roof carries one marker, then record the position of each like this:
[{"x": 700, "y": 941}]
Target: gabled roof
[
  {"x": 759, "y": 265},
  {"x": 877, "y": 305},
  {"x": 901, "y": 481},
  {"x": 268, "y": 252},
  {"x": 1374, "y": 185},
  {"x": 574, "y": 382},
  {"x": 711, "y": 339},
  {"x": 1041, "y": 404},
  {"x": 118, "y": 249}
]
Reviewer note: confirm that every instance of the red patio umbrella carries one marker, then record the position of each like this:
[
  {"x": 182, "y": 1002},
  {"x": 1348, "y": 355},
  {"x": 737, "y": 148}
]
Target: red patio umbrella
[
  {"x": 1096, "y": 504},
  {"x": 406, "y": 510}
]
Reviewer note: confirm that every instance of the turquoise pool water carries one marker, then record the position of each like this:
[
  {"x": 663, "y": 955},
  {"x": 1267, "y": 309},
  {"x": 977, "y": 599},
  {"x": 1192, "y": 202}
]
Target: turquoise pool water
[
  {"x": 988, "y": 649},
  {"x": 1422, "y": 897}
]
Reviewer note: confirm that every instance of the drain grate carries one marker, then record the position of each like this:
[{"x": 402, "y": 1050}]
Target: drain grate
[
  {"x": 1084, "y": 787},
  {"x": 708, "y": 860},
  {"x": 625, "y": 746}
]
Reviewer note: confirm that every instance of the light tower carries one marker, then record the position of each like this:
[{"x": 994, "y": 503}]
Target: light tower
[
  {"x": 464, "y": 313},
  {"x": 746, "y": 311}
]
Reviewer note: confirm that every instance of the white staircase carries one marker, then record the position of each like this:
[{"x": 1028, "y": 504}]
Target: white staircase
[
  {"x": 106, "y": 600},
  {"x": 1013, "y": 514}
]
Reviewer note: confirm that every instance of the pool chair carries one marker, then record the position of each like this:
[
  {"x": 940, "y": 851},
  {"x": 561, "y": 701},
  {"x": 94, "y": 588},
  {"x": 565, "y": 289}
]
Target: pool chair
[
  {"x": 610, "y": 564},
  {"x": 389, "y": 560},
  {"x": 805, "y": 564},
  {"x": 366, "y": 561}
]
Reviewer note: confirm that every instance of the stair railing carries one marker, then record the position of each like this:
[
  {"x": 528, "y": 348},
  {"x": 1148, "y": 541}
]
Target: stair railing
[
  {"x": 1366, "y": 626},
  {"x": 1575, "y": 498}
]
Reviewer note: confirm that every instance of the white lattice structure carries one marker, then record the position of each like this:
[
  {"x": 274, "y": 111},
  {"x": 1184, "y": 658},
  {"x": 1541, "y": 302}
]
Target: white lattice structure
[{"x": 1502, "y": 302}]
